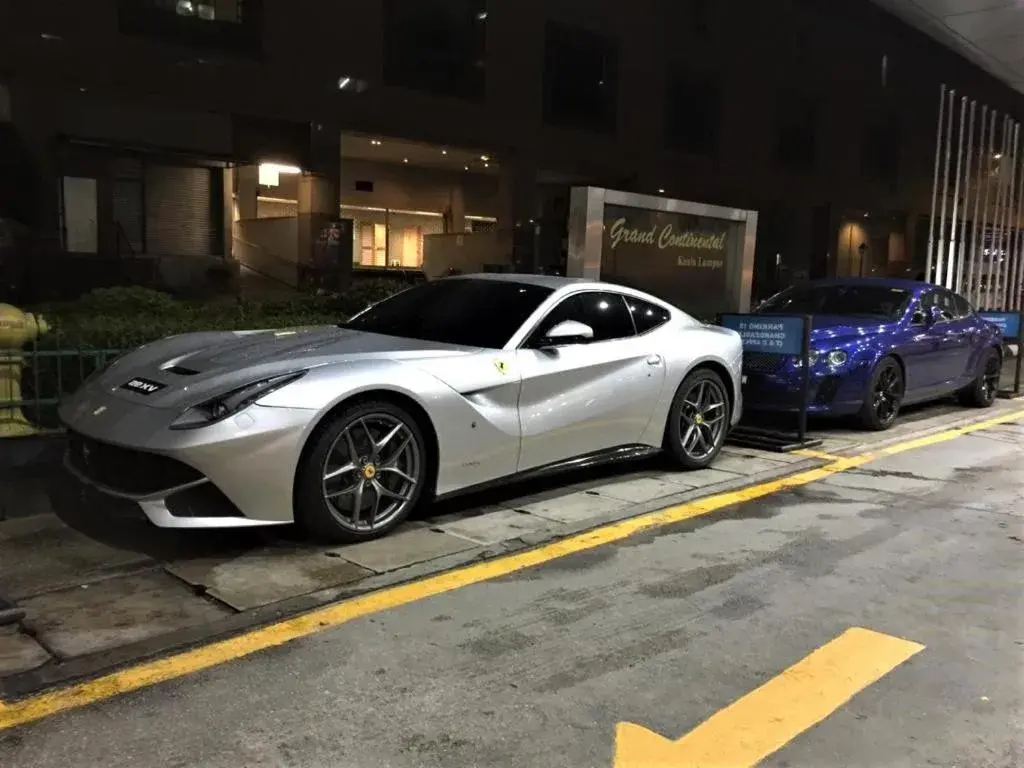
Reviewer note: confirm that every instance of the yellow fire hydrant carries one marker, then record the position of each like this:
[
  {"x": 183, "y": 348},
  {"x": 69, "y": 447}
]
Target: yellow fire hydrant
[{"x": 17, "y": 328}]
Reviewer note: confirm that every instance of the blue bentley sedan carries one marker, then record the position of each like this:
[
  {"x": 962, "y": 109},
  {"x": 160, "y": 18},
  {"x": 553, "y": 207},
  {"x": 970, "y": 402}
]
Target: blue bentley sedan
[{"x": 876, "y": 345}]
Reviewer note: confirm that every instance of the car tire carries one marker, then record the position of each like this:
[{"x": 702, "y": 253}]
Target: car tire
[
  {"x": 342, "y": 471},
  {"x": 699, "y": 420},
  {"x": 884, "y": 396},
  {"x": 983, "y": 390}
]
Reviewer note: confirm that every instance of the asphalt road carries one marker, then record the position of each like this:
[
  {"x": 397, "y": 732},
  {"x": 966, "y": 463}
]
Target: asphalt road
[{"x": 662, "y": 630}]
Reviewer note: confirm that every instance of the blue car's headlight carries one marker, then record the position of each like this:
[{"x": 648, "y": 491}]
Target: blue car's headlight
[
  {"x": 833, "y": 358},
  {"x": 219, "y": 408}
]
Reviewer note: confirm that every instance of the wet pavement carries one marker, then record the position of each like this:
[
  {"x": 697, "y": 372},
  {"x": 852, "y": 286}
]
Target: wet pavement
[{"x": 923, "y": 549}]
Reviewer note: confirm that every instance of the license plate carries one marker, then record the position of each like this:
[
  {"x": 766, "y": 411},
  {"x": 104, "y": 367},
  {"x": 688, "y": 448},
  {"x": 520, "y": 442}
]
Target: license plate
[{"x": 143, "y": 386}]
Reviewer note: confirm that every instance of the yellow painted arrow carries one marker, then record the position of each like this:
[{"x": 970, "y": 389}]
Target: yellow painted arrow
[{"x": 766, "y": 719}]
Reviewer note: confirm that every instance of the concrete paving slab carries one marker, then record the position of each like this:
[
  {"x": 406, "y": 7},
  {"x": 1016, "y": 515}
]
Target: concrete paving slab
[
  {"x": 40, "y": 554},
  {"x": 640, "y": 490},
  {"x": 702, "y": 478},
  {"x": 574, "y": 507},
  {"x": 19, "y": 652},
  {"x": 267, "y": 575},
  {"x": 738, "y": 452},
  {"x": 402, "y": 549},
  {"x": 497, "y": 526},
  {"x": 99, "y": 617},
  {"x": 748, "y": 465}
]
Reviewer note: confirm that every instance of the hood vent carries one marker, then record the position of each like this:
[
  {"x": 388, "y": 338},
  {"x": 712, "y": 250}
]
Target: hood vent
[{"x": 180, "y": 370}]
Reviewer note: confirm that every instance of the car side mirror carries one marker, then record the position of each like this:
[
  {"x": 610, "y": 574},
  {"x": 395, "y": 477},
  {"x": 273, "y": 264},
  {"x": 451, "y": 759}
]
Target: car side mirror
[{"x": 568, "y": 332}]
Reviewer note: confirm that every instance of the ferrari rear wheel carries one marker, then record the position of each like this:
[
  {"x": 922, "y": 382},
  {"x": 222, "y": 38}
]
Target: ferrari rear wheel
[
  {"x": 698, "y": 421},
  {"x": 884, "y": 396},
  {"x": 364, "y": 475}
]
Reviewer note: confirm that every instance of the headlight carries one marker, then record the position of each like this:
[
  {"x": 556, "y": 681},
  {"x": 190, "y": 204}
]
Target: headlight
[
  {"x": 835, "y": 358},
  {"x": 220, "y": 408}
]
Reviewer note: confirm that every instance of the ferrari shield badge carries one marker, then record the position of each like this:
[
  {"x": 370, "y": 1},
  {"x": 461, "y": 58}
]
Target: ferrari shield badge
[{"x": 502, "y": 366}]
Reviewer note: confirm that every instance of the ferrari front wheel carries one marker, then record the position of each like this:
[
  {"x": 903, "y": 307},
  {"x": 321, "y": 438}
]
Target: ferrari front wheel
[
  {"x": 698, "y": 420},
  {"x": 363, "y": 475}
]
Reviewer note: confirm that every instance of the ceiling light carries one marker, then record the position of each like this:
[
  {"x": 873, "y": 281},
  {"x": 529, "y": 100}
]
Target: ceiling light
[
  {"x": 998, "y": 155},
  {"x": 487, "y": 165},
  {"x": 485, "y": 158},
  {"x": 444, "y": 151},
  {"x": 49, "y": 36},
  {"x": 661, "y": 191},
  {"x": 405, "y": 159},
  {"x": 481, "y": 16},
  {"x": 343, "y": 83},
  {"x": 375, "y": 142},
  {"x": 465, "y": 167}
]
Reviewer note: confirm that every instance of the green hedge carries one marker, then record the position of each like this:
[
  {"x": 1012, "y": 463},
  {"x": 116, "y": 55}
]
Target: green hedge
[{"x": 121, "y": 318}]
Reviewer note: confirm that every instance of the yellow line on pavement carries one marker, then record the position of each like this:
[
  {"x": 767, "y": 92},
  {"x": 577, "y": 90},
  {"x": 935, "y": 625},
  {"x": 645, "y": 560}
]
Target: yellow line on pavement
[
  {"x": 207, "y": 656},
  {"x": 762, "y": 722}
]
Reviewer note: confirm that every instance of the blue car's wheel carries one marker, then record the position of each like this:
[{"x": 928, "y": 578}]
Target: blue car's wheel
[
  {"x": 983, "y": 390},
  {"x": 884, "y": 396}
]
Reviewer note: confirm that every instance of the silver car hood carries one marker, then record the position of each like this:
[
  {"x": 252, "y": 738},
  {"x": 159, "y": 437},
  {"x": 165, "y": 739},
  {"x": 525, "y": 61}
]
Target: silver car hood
[{"x": 188, "y": 369}]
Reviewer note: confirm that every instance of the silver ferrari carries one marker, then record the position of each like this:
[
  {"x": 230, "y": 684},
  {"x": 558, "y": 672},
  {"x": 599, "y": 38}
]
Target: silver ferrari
[{"x": 446, "y": 387}]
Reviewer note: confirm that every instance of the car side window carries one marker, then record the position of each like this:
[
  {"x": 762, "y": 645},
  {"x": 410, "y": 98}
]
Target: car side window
[
  {"x": 941, "y": 299},
  {"x": 605, "y": 313},
  {"x": 646, "y": 316},
  {"x": 961, "y": 306}
]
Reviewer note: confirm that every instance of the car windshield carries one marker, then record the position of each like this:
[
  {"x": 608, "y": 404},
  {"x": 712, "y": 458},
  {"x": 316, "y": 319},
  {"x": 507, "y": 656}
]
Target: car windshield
[
  {"x": 876, "y": 301},
  {"x": 463, "y": 311}
]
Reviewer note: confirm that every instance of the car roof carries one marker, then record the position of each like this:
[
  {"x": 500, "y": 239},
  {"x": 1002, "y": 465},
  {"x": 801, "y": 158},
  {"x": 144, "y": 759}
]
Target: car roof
[
  {"x": 882, "y": 282},
  {"x": 553, "y": 282}
]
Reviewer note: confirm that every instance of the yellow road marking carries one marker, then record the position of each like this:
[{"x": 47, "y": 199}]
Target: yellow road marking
[
  {"x": 747, "y": 731},
  {"x": 207, "y": 656},
  {"x": 810, "y": 453}
]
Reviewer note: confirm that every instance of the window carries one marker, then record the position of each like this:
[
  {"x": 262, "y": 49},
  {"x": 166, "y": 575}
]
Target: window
[
  {"x": 580, "y": 78},
  {"x": 79, "y": 214},
  {"x": 235, "y": 25},
  {"x": 851, "y": 299},
  {"x": 962, "y": 306},
  {"x": 796, "y": 147},
  {"x": 436, "y": 46},
  {"x": 463, "y": 311},
  {"x": 605, "y": 313},
  {"x": 693, "y": 111},
  {"x": 646, "y": 316},
  {"x": 880, "y": 151},
  {"x": 941, "y": 299}
]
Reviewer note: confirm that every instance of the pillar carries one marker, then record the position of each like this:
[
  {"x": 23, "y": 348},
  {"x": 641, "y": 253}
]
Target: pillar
[
  {"x": 247, "y": 189},
  {"x": 319, "y": 197},
  {"x": 517, "y": 215},
  {"x": 457, "y": 206}
]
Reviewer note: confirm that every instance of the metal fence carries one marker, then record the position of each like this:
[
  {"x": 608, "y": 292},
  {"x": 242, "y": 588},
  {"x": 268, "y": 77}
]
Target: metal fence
[{"x": 34, "y": 380}]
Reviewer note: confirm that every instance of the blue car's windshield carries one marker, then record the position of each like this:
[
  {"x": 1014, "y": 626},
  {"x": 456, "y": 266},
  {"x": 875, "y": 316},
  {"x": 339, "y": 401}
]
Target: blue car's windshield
[{"x": 875, "y": 301}]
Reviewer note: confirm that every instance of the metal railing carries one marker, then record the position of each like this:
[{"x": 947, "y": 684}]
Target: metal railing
[{"x": 45, "y": 377}]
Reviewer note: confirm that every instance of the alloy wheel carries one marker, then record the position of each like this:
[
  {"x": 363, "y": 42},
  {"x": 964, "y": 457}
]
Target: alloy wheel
[
  {"x": 703, "y": 419},
  {"x": 887, "y": 394},
  {"x": 990, "y": 380},
  {"x": 371, "y": 472}
]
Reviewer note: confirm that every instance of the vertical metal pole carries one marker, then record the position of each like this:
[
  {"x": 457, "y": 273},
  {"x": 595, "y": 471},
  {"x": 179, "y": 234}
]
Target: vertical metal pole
[
  {"x": 947, "y": 281},
  {"x": 1018, "y": 286},
  {"x": 941, "y": 252},
  {"x": 1002, "y": 264},
  {"x": 935, "y": 184},
  {"x": 962, "y": 238},
  {"x": 987, "y": 160},
  {"x": 1014, "y": 227},
  {"x": 975, "y": 224},
  {"x": 997, "y": 218}
]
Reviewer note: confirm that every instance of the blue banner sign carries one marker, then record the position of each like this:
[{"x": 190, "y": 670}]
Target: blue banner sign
[
  {"x": 1008, "y": 322},
  {"x": 774, "y": 334}
]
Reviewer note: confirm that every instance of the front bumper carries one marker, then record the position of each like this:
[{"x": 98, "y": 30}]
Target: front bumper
[
  {"x": 237, "y": 473},
  {"x": 775, "y": 383}
]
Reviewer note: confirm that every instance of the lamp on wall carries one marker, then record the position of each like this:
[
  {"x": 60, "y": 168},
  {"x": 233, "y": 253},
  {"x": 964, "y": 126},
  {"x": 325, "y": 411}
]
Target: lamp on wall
[{"x": 270, "y": 173}]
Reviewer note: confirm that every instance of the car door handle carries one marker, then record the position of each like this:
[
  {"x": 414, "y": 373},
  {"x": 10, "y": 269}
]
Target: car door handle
[{"x": 654, "y": 360}]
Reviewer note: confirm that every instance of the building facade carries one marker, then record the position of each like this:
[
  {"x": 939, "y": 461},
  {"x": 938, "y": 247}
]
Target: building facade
[{"x": 170, "y": 135}]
